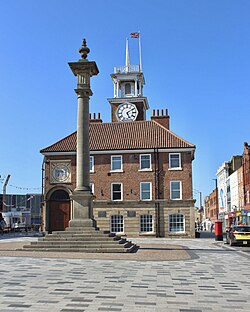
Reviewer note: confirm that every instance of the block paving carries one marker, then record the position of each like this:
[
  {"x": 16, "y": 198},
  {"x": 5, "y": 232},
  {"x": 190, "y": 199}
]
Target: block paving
[{"x": 202, "y": 276}]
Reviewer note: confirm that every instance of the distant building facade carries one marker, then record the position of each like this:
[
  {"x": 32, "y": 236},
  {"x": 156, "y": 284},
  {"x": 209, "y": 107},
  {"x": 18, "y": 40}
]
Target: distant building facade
[
  {"x": 31, "y": 203},
  {"x": 246, "y": 181},
  {"x": 211, "y": 206}
]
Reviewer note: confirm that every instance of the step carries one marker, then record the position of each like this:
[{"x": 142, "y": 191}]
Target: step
[
  {"x": 74, "y": 244},
  {"x": 84, "y": 250},
  {"x": 80, "y": 238}
]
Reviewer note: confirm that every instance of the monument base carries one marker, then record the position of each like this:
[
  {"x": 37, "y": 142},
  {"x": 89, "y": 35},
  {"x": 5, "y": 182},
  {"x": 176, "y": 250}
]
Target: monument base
[{"x": 82, "y": 213}]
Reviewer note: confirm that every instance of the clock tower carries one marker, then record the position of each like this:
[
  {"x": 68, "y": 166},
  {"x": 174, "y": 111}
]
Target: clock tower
[{"x": 128, "y": 103}]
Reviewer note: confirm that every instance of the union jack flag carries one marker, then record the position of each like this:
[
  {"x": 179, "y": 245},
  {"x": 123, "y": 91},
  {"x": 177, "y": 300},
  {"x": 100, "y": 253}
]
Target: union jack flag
[{"x": 135, "y": 35}]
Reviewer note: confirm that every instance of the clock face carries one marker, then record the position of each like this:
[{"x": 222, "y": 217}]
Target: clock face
[
  {"x": 61, "y": 172},
  {"x": 126, "y": 112}
]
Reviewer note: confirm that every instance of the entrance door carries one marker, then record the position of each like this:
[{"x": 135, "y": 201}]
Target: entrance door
[
  {"x": 59, "y": 215},
  {"x": 59, "y": 211}
]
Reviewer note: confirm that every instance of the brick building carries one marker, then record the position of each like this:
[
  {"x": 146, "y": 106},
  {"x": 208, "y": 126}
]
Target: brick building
[
  {"x": 140, "y": 171},
  {"x": 211, "y": 206},
  {"x": 246, "y": 181}
]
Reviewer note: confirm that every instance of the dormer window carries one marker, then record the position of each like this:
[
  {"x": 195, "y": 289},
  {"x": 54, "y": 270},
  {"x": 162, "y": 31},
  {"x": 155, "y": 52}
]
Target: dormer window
[{"x": 127, "y": 89}]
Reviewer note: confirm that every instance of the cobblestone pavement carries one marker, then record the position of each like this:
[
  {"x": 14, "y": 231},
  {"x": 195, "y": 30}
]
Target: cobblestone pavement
[{"x": 214, "y": 278}]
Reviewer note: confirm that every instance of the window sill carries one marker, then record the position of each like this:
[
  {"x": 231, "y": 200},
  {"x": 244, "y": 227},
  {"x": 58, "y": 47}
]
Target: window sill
[
  {"x": 175, "y": 169},
  {"x": 147, "y": 234},
  {"x": 177, "y": 233},
  {"x": 145, "y": 170},
  {"x": 114, "y": 171}
]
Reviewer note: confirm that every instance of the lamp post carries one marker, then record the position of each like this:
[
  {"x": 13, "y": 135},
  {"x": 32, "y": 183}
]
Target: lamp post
[{"x": 200, "y": 200}]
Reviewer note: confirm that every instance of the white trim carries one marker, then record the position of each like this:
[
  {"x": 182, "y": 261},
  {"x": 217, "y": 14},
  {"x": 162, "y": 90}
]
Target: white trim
[
  {"x": 93, "y": 164},
  {"x": 92, "y": 187},
  {"x": 150, "y": 190},
  {"x": 111, "y": 164},
  {"x": 171, "y": 190},
  {"x": 110, "y": 217},
  {"x": 145, "y": 170},
  {"x": 132, "y": 151},
  {"x": 112, "y": 183},
  {"x": 150, "y": 163},
  {"x": 184, "y": 223},
  {"x": 175, "y": 169},
  {"x": 146, "y": 232},
  {"x": 169, "y": 162}
]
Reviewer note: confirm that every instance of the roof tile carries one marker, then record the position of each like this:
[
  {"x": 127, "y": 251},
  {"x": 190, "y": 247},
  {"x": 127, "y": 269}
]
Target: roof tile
[{"x": 123, "y": 136}]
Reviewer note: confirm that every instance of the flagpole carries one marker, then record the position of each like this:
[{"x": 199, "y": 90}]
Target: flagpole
[{"x": 140, "y": 51}]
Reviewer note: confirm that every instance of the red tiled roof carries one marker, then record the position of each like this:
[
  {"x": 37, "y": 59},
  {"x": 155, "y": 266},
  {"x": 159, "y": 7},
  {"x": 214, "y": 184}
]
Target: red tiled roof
[{"x": 123, "y": 136}]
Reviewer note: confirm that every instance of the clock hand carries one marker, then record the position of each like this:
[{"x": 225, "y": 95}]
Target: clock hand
[{"x": 129, "y": 111}]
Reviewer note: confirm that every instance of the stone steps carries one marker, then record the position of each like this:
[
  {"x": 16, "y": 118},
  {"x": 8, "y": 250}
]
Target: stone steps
[{"x": 81, "y": 240}]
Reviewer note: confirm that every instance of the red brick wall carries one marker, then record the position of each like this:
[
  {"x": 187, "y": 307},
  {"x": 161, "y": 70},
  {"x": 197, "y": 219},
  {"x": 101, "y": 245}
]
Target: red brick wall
[
  {"x": 246, "y": 173},
  {"x": 131, "y": 176}
]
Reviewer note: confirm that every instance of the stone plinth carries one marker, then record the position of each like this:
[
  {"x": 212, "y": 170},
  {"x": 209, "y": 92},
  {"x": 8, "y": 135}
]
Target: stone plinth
[{"x": 82, "y": 209}]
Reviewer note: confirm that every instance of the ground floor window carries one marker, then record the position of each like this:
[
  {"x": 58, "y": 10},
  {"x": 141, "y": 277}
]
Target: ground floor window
[
  {"x": 116, "y": 224},
  {"x": 176, "y": 222},
  {"x": 146, "y": 223}
]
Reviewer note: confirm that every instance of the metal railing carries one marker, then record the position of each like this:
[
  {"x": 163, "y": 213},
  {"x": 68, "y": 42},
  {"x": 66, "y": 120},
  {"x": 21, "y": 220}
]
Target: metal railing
[{"x": 127, "y": 69}]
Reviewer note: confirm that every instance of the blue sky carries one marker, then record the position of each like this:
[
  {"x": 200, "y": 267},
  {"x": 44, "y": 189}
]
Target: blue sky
[{"x": 196, "y": 62}]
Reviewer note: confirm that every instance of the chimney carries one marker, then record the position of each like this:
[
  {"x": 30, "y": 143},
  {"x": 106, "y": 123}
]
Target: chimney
[
  {"x": 161, "y": 117},
  {"x": 94, "y": 119}
]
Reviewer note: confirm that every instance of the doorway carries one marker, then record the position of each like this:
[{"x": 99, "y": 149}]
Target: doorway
[{"x": 59, "y": 211}]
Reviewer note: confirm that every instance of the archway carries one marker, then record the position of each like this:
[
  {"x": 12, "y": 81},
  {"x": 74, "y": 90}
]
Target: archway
[{"x": 59, "y": 211}]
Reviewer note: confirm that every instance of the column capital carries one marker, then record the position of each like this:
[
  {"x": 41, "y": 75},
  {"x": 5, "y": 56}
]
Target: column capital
[
  {"x": 82, "y": 93},
  {"x": 84, "y": 66}
]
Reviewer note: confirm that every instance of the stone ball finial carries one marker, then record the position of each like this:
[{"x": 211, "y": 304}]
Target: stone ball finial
[{"x": 84, "y": 50}]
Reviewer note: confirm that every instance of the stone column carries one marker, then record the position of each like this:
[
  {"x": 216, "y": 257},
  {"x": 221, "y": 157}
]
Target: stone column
[
  {"x": 82, "y": 161},
  {"x": 82, "y": 198}
]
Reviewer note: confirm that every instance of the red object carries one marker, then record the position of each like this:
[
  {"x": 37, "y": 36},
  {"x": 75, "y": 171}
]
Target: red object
[
  {"x": 218, "y": 230},
  {"x": 135, "y": 35}
]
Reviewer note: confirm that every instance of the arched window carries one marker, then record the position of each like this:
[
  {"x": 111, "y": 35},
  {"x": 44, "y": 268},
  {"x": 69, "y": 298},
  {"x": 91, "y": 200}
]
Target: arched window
[
  {"x": 127, "y": 88},
  {"x": 176, "y": 222}
]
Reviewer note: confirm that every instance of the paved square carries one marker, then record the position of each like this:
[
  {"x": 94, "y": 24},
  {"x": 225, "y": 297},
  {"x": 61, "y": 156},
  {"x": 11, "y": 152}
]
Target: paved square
[{"x": 214, "y": 278}]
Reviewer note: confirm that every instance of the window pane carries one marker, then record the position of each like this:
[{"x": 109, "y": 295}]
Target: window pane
[
  {"x": 146, "y": 223},
  {"x": 145, "y": 191},
  {"x": 127, "y": 88},
  {"x": 145, "y": 162},
  {"x": 91, "y": 163},
  {"x": 174, "y": 160},
  {"x": 116, "y": 191},
  {"x": 116, "y": 223},
  {"x": 176, "y": 223},
  {"x": 116, "y": 163},
  {"x": 175, "y": 190}
]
